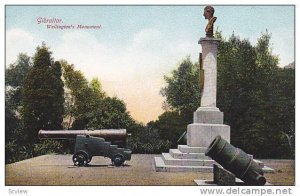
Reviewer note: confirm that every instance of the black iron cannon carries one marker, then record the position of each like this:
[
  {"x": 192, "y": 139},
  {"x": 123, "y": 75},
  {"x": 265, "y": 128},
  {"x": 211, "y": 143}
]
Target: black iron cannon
[
  {"x": 236, "y": 161},
  {"x": 91, "y": 143},
  {"x": 115, "y": 136}
]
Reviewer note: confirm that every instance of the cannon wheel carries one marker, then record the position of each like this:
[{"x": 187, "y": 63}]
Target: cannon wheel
[
  {"x": 118, "y": 160},
  {"x": 80, "y": 158},
  {"x": 89, "y": 159}
]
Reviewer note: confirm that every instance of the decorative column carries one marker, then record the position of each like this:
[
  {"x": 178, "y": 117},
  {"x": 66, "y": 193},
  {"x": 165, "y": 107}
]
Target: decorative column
[
  {"x": 209, "y": 63},
  {"x": 208, "y": 119},
  {"x": 208, "y": 111}
]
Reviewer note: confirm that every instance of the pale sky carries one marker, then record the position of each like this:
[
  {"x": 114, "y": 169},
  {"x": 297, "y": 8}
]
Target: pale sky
[{"x": 137, "y": 45}]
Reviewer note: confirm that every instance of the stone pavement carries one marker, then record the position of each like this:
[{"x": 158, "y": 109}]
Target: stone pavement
[{"x": 59, "y": 170}]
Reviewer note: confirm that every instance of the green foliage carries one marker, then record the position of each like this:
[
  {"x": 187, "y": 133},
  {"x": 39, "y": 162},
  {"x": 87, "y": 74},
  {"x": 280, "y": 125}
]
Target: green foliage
[
  {"x": 34, "y": 100},
  {"x": 16, "y": 72},
  {"x": 237, "y": 85},
  {"x": 264, "y": 57},
  {"x": 15, "y": 152},
  {"x": 42, "y": 95},
  {"x": 170, "y": 126},
  {"x": 15, "y": 146},
  {"x": 43, "y": 103},
  {"x": 42, "y": 58},
  {"x": 96, "y": 88},
  {"x": 48, "y": 147},
  {"x": 11, "y": 122},
  {"x": 256, "y": 96},
  {"x": 146, "y": 140},
  {"x": 182, "y": 94},
  {"x": 90, "y": 107},
  {"x": 14, "y": 77},
  {"x": 182, "y": 91},
  {"x": 83, "y": 99},
  {"x": 109, "y": 113}
]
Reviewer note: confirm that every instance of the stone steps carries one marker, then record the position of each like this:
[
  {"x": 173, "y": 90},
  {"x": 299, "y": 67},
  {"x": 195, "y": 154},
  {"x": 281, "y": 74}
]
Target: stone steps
[
  {"x": 160, "y": 166},
  {"x": 169, "y": 160},
  {"x": 191, "y": 159},
  {"x": 177, "y": 154},
  {"x": 188, "y": 149}
]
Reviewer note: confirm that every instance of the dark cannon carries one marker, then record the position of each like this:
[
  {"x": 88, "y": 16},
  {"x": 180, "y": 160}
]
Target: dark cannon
[
  {"x": 115, "y": 136},
  {"x": 236, "y": 161},
  {"x": 64, "y": 134},
  {"x": 91, "y": 143}
]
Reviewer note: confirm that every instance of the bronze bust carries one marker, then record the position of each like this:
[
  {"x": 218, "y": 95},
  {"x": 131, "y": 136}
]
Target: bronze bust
[{"x": 209, "y": 15}]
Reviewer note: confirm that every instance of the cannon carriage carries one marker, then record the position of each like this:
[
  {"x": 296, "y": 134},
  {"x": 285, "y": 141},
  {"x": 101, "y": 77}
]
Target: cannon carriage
[{"x": 89, "y": 143}]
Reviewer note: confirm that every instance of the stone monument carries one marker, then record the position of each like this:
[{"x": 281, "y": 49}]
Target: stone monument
[{"x": 207, "y": 120}]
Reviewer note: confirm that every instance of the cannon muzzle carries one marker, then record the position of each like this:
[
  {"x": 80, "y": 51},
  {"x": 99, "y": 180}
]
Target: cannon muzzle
[
  {"x": 107, "y": 134},
  {"x": 236, "y": 161}
]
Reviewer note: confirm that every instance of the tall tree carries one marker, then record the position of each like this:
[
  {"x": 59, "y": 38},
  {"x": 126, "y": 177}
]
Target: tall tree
[
  {"x": 42, "y": 95},
  {"x": 237, "y": 84},
  {"x": 89, "y": 107},
  {"x": 110, "y": 113},
  {"x": 17, "y": 71},
  {"x": 250, "y": 93},
  {"x": 182, "y": 92},
  {"x": 14, "y": 133},
  {"x": 82, "y": 98},
  {"x": 14, "y": 77}
]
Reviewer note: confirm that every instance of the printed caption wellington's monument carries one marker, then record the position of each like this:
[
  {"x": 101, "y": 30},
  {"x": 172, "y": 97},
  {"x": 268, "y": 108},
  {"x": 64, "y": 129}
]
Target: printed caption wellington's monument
[{"x": 58, "y": 24}]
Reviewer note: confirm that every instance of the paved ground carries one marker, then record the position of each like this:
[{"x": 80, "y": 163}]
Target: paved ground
[{"x": 59, "y": 170}]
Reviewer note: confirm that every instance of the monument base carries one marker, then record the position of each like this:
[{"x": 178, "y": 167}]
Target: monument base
[
  {"x": 201, "y": 135},
  {"x": 208, "y": 123},
  {"x": 190, "y": 159},
  {"x": 210, "y": 115},
  {"x": 184, "y": 159}
]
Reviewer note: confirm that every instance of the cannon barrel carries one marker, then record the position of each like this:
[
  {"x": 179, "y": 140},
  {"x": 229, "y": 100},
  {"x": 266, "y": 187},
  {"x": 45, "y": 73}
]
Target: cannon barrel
[
  {"x": 107, "y": 134},
  {"x": 236, "y": 161}
]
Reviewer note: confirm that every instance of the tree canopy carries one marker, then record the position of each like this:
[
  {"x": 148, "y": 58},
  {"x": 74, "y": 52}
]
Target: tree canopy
[
  {"x": 42, "y": 95},
  {"x": 182, "y": 91},
  {"x": 89, "y": 106}
]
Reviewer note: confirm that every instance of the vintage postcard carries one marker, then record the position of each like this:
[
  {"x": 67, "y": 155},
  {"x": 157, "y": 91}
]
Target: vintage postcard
[{"x": 150, "y": 95}]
